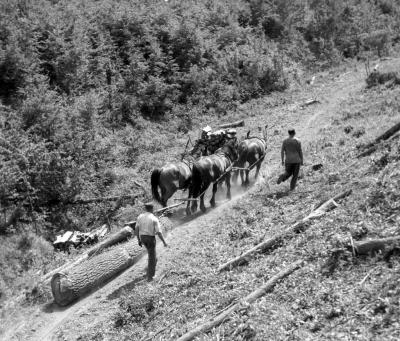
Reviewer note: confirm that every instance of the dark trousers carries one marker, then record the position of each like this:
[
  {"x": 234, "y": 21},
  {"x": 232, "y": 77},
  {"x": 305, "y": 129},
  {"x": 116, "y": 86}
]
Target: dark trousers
[
  {"x": 291, "y": 170},
  {"x": 150, "y": 243}
]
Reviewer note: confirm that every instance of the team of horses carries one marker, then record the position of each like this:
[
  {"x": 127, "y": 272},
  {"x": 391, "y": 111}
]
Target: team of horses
[{"x": 197, "y": 175}]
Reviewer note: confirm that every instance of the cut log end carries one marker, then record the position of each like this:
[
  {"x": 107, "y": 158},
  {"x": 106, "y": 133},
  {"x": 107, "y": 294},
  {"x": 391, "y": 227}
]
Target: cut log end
[{"x": 62, "y": 293}]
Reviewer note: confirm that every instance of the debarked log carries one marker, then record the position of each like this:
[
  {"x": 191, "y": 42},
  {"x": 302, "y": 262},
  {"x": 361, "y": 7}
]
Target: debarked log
[
  {"x": 92, "y": 273},
  {"x": 373, "y": 246},
  {"x": 372, "y": 146},
  {"x": 232, "y": 125},
  {"x": 121, "y": 236}
]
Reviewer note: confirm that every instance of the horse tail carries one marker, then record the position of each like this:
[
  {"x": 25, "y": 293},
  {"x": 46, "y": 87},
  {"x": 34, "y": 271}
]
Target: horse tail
[
  {"x": 196, "y": 185},
  {"x": 243, "y": 150},
  {"x": 155, "y": 179}
]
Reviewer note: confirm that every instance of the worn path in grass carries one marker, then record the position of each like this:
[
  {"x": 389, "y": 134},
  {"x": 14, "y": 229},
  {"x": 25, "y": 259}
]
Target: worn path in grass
[{"x": 49, "y": 322}]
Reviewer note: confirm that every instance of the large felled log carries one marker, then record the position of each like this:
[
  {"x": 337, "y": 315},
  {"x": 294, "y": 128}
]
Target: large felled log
[
  {"x": 116, "y": 238},
  {"x": 232, "y": 125},
  {"x": 249, "y": 299},
  {"x": 274, "y": 240},
  {"x": 373, "y": 246},
  {"x": 69, "y": 285}
]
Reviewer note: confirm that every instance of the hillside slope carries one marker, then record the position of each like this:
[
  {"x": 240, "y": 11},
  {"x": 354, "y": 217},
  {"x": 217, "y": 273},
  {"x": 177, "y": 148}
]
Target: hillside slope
[{"x": 326, "y": 299}]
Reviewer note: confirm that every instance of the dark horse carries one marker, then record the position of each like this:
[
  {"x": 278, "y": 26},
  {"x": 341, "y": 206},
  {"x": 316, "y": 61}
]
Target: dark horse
[
  {"x": 251, "y": 150},
  {"x": 208, "y": 169},
  {"x": 170, "y": 178}
]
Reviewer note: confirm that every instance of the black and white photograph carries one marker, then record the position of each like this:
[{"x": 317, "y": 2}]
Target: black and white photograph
[{"x": 206, "y": 170}]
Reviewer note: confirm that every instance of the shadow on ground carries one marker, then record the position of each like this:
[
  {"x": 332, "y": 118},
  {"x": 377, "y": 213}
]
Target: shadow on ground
[{"x": 126, "y": 287}]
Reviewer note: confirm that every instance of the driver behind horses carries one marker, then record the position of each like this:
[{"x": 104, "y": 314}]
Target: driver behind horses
[
  {"x": 292, "y": 159},
  {"x": 200, "y": 147}
]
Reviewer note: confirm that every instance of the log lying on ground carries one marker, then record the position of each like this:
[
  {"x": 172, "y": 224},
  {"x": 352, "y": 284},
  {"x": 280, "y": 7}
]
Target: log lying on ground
[
  {"x": 121, "y": 236},
  {"x": 118, "y": 237},
  {"x": 372, "y": 146},
  {"x": 295, "y": 228},
  {"x": 373, "y": 246},
  {"x": 69, "y": 286},
  {"x": 249, "y": 299},
  {"x": 309, "y": 102},
  {"x": 73, "y": 283},
  {"x": 232, "y": 125}
]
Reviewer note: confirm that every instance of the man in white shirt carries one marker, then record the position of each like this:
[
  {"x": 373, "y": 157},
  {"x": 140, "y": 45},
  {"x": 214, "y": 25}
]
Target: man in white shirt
[{"x": 147, "y": 227}]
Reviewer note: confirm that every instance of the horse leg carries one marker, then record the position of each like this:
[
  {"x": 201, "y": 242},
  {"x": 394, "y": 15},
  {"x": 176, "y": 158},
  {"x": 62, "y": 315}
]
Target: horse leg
[
  {"x": 228, "y": 185},
  {"x": 164, "y": 197},
  {"x": 194, "y": 206},
  {"x": 242, "y": 177},
  {"x": 202, "y": 207},
  {"x": 258, "y": 170},
  {"x": 214, "y": 190},
  {"x": 235, "y": 176},
  {"x": 247, "y": 177},
  {"x": 188, "y": 210}
]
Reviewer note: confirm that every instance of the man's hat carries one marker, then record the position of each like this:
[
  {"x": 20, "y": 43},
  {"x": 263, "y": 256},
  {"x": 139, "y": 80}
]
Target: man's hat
[
  {"x": 149, "y": 205},
  {"x": 207, "y": 129},
  {"x": 291, "y": 131}
]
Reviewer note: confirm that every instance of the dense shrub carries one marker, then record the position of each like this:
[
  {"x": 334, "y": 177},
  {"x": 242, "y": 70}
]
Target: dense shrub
[
  {"x": 73, "y": 75},
  {"x": 12, "y": 74}
]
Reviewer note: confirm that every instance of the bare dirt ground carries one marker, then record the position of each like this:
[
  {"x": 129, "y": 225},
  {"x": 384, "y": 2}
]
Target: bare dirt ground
[{"x": 50, "y": 322}]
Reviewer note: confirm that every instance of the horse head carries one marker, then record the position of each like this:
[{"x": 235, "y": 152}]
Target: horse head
[{"x": 230, "y": 149}]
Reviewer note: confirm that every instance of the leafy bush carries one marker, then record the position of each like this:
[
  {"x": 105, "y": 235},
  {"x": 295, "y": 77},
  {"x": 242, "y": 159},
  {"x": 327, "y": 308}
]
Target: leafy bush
[{"x": 12, "y": 73}]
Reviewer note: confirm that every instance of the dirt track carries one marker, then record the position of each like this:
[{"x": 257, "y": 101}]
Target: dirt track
[{"x": 50, "y": 322}]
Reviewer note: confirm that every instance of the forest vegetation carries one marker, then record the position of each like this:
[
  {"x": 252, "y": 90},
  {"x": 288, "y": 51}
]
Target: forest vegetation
[{"x": 94, "y": 93}]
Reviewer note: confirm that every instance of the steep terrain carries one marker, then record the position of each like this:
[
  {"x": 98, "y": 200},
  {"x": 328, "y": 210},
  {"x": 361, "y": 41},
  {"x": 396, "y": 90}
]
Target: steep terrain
[{"x": 329, "y": 298}]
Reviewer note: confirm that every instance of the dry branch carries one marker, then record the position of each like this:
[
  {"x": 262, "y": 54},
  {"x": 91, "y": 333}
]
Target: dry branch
[
  {"x": 249, "y": 299},
  {"x": 232, "y": 125},
  {"x": 271, "y": 242}
]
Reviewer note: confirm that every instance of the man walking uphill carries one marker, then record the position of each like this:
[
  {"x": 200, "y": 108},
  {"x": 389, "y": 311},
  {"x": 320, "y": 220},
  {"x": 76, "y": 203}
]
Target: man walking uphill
[
  {"x": 147, "y": 227},
  {"x": 292, "y": 158}
]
